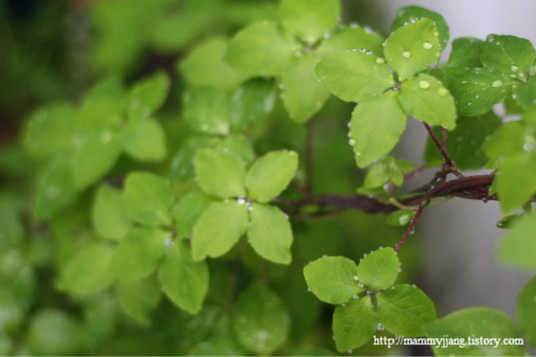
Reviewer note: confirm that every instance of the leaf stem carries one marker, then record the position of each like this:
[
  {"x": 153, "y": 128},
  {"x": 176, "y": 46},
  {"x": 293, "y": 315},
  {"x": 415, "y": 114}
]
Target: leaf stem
[
  {"x": 411, "y": 226},
  {"x": 443, "y": 148}
]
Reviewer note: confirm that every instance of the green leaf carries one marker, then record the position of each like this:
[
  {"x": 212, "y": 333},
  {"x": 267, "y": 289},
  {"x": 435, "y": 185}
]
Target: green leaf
[
  {"x": 54, "y": 189},
  {"x": 526, "y": 305},
  {"x": 400, "y": 218},
  {"x": 354, "y": 324},
  {"x": 516, "y": 248},
  {"x": 355, "y": 75},
  {"x": 49, "y": 130},
  {"x": 148, "y": 95},
  {"x": 182, "y": 166},
  {"x": 218, "y": 229},
  {"x": 479, "y": 90},
  {"x": 183, "y": 280},
  {"x": 465, "y": 142},
  {"x": 524, "y": 94},
  {"x": 472, "y": 324},
  {"x": 516, "y": 182},
  {"x": 109, "y": 213},
  {"x": 309, "y": 20},
  {"x": 332, "y": 279},
  {"x": 303, "y": 95},
  {"x": 411, "y": 48},
  {"x": 260, "y": 331},
  {"x": 144, "y": 140},
  {"x": 388, "y": 169},
  {"x": 506, "y": 141},
  {"x": 376, "y": 126},
  {"x": 508, "y": 54},
  {"x": 138, "y": 254},
  {"x": 466, "y": 52},
  {"x": 410, "y": 14},
  {"x": 240, "y": 145},
  {"x": 220, "y": 172},
  {"x": 261, "y": 50},
  {"x": 138, "y": 298},
  {"x": 529, "y": 115},
  {"x": 97, "y": 114},
  {"x": 271, "y": 174},
  {"x": 204, "y": 66},
  {"x": 348, "y": 38},
  {"x": 404, "y": 309},
  {"x": 95, "y": 157},
  {"x": 86, "y": 271},
  {"x": 251, "y": 103},
  {"x": 269, "y": 233},
  {"x": 148, "y": 198},
  {"x": 188, "y": 210},
  {"x": 447, "y": 74},
  {"x": 52, "y": 332},
  {"x": 379, "y": 269},
  {"x": 206, "y": 110},
  {"x": 218, "y": 346},
  {"x": 426, "y": 99}
]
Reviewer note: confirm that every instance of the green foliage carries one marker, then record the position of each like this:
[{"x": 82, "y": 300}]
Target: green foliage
[{"x": 176, "y": 215}]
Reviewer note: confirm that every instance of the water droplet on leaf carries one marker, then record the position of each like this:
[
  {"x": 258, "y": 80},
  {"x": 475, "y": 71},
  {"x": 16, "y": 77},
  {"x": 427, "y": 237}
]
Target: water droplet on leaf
[
  {"x": 427, "y": 45},
  {"x": 424, "y": 84},
  {"x": 496, "y": 84},
  {"x": 380, "y": 60},
  {"x": 406, "y": 54}
]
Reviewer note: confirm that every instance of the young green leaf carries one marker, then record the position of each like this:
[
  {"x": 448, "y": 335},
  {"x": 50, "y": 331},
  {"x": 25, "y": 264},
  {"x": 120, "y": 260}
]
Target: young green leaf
[
  {"x": 510, "y": 55},
  {"x": 98, "y": 114},
  {"x": 138, "y": 298},
  {"x": 260, "y": 331},
  {"x": 348, "y": 38},
  {"x": 144, "y": 140},
  {"x": 260, "y": 50},
  {"x": 95, "y": 157},
  {"x": 355, "y": 75},
  {"x": 218, "y": 229},
  {"x": 354, "y": 323},
  {"x": 517, "y": 246},
  {"x": 188, "y": 210},
  {"x": 206, "y": 110},
  {"x": 269, "y": 233},
  {"x": 49, "y": 130},
  {"x": 182, "y": 166},
  {"x": 479, "y": 90},
  {"x": 379, "y": 269},
  {"x": 506, "y": 141},
  {"x": 271, "y": 174},
  {"x": 516, "y": 182},
  {"x": 332, "y": 279},
  {"x": 86, "y": 272},
  {"x": 148, "y": 95},
  {"x": 183, "y": 280},
  {"x": 404, "y": 309},
  {"x": 54, "y": 189},
  {"x": 109, "y": 213},
  {"x": 524, "y": 94},
  {"x": 309, "y": 20},
  {"x": 426, "y": 99},
  {"x": 400, "y": 218},
  {"x": 410, "y": 14},
  {"x": 526, "y": 305},
  {"x": 303, "y": 95},
  {"x": 466, "y": 52},
  {"x": 204, "y": 66},
  {"x": 411, "y": 48},
  {"x": 388, "y": 169},
  {"x": 220, "y": 172},
  {"x": 376, "y": 126},
  {"x": 240, "y": 145},
  {"x": 138, "y": 254},
  {"x": 251, "y": 103},
  {"x": 148, "y": 198},
  {"x": 472, "y": 324}
]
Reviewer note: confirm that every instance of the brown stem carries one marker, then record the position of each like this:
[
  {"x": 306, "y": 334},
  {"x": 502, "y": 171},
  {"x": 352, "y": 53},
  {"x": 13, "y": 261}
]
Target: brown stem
[{"x": 411, "y": 226}]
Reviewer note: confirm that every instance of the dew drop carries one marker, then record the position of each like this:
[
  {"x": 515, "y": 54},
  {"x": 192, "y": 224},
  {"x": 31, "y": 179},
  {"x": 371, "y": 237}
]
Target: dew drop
[
  {"x": 381, "y": 247},
  {"x": 308, "y": 290},
  {"x": 324, "y": 255},
  {"x": 241, "y": 200},
  {"x": 351, "y": 142},
  {"x": 380, "y": 60},
  {"x": 358, "y": 153},
  {"x": 406, "y": 54},
  {"x": 427, "y": 45},
  {"x": 364, "y": 255},
  {"x": 350, "y": 351},
  {"x": 528, "y": 147},
  {"x": 496, "y": 84},
  {"x": 442, "y": 92},
  {"x": 356, "y": 278},
  {"x": 169, "y": 242},
  {"x": 380, "y": 327},
  {"x": 353, "y": 25},
  {"x": 513, "y": 76},
  {"x": 327, "y": 35},
  {"x": 400, "y": 270},
  {"x": 343, "y": 304},
  {"x": 362, "y": 50},
  {"x": 424, "y": 84},
  {"x": 356, "y": 296},
  {"x": 281, "y": 85},
  {"x": 514, "y": 68}
]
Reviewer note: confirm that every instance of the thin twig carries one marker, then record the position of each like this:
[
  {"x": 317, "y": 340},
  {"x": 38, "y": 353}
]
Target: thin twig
[
  {"x": 411, "y": 226},
  {"x": 442, "y": 150}
]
